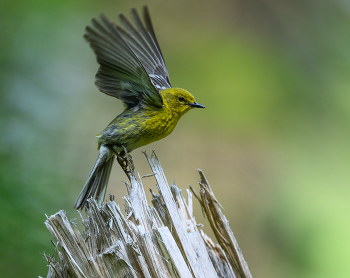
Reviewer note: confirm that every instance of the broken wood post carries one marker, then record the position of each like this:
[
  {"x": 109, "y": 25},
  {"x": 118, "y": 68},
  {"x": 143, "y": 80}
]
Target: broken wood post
[{"x": 162, "y": 240}]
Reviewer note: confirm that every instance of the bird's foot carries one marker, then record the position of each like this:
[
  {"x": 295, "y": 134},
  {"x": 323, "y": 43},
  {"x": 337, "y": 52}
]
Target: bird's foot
[{"x": 125, "y": 161}]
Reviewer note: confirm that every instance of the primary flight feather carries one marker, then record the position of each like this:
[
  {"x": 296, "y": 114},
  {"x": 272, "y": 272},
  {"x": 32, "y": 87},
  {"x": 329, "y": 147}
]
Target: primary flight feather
[{"x": 133, "y": 70}]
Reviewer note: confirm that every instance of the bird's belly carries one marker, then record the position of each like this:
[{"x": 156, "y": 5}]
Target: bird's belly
[
  {"x": 133, "y": 133},
  {"x": 154, "y": 130}
]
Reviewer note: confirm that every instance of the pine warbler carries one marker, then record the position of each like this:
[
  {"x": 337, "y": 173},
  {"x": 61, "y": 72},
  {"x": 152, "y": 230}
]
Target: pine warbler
[{"x": 132, "y": 69}]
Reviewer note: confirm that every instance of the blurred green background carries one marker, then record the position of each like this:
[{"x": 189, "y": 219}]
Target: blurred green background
[{"x": 273, "y": 140}]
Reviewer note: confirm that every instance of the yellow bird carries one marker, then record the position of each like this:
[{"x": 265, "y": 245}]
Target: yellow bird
[{"x": 132, "y": 69}]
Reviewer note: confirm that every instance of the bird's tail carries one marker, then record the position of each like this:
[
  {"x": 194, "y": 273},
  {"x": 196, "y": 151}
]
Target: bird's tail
[{"x": 97, "y": 182}]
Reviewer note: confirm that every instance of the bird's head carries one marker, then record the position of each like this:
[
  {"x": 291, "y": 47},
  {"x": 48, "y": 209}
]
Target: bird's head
[{"x": 179, "y": 100}]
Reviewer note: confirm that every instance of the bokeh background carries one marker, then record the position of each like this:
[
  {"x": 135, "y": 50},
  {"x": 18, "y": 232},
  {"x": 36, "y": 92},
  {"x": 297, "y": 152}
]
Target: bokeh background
[{"x": 273, "y": 140}]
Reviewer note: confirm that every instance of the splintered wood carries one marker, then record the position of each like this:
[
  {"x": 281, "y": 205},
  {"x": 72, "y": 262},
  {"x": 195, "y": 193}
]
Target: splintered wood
[{"x": 162, "y": 240}]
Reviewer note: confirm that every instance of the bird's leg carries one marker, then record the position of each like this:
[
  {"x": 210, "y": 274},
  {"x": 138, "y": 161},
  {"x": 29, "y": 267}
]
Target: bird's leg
[
  {"x": 129, "y": 162},
  {"x": 120, "y": 158},
  {"x": 125, "y": 160}
]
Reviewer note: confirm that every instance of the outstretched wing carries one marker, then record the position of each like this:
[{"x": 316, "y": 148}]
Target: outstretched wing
[
  {"x": 143, "y": 42},
  {"x": 123, "y": 73}
]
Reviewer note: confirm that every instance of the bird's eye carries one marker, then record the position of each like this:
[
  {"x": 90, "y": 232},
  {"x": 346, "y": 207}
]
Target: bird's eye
[{"x": 181, "y": 99}]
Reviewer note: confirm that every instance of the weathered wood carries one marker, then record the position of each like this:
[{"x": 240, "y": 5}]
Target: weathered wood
[
  {"x": 162, "y": 240},
  {"x": 221, "y": 228}
]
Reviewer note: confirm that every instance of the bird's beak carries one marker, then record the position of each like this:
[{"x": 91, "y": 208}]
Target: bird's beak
[{"x": 196, "y": 105}]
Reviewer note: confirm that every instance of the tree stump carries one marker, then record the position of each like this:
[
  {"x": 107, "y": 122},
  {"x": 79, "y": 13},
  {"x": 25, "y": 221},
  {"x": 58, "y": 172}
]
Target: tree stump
[{"x": 162, "y": 240}]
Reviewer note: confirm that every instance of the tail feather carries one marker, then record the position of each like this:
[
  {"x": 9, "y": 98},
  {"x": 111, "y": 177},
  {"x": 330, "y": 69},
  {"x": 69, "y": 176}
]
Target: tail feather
[
  {"x": 101, "y": 190},
  {"x": 97, "y": 182}
]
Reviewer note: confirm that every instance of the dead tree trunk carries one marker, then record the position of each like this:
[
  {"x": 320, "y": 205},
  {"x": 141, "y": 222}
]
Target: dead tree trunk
[{"x": 162, "y": 240}]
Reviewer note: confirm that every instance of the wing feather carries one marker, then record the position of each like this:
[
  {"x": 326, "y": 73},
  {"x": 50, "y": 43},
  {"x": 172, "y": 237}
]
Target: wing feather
[
  {"x": 143, "y": 41},
  {"x": 122, "y": 73}
]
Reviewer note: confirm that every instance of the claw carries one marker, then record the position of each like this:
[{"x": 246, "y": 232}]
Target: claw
[{"x": 125, "y": 160}]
